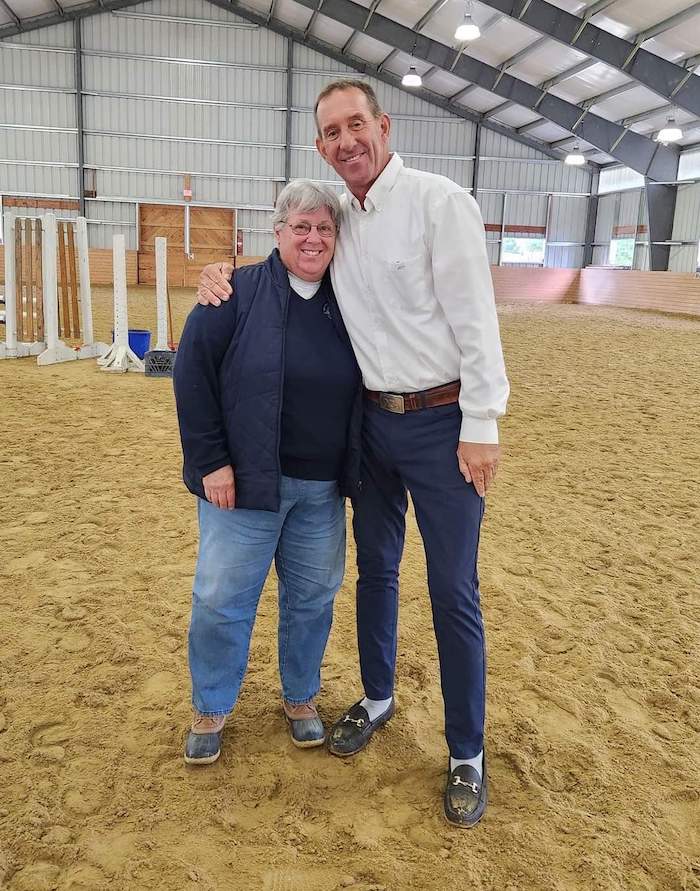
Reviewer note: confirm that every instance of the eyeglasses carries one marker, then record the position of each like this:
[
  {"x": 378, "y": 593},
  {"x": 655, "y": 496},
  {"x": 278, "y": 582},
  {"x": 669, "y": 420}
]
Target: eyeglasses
[{"x": 325, "y": 230}]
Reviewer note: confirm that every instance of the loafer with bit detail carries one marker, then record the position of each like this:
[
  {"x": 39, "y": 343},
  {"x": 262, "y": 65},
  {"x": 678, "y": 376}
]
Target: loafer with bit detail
[
  {"x": 466, "y": 794},
  {"x": 351, "y": 733}
]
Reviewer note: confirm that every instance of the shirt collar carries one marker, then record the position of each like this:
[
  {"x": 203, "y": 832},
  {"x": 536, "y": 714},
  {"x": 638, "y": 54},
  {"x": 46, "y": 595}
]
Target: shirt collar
[{"x": 381, "y": 187}]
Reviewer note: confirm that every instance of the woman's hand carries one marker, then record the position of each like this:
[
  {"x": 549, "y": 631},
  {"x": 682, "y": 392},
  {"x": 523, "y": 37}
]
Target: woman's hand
[{"x": 220, "y": 488}]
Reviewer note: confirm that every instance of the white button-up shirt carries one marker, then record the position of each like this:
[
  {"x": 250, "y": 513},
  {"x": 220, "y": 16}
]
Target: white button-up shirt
[{"x": 413, "y": 282}]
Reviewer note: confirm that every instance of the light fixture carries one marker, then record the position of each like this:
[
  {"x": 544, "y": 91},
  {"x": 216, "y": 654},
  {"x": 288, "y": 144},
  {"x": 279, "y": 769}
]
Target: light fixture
[
  {"x": 574, "y": 157},
  {"x": 671, "y": 132},
  {"x": 468, "y": 29},
  {"x": 411, "y": 78}
]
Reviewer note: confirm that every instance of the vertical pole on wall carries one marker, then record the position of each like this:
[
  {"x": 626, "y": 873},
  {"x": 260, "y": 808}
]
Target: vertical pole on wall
[
  {"x": 591, "y": 221},
  {"x": 477, "y": 156},
  {"x": 503, "y": 229},
  {"x": 637, "y": 228},
  {"x": 547, "y": 226},
  {"x": 290, "y": 98},
  {"x": 8, "y": 350},
  {"x": 79, "y": 113},
  {"x": 162, "y": 293}
]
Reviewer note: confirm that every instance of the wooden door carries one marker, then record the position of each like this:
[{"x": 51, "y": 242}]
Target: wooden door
[
  {"x": 167, "y": 221},
  {"x": 212, "y": 233}
]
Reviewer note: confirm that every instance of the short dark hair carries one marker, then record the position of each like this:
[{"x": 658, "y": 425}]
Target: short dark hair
[{"x": 349, "y": 83}]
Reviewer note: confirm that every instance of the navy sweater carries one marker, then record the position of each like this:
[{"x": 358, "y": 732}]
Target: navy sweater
[
  {"x": 320, "y": 383},
  {"x": 229, "y": 385}
]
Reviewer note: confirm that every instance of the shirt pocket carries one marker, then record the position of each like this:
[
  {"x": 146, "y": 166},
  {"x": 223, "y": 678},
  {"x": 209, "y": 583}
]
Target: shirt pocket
[{"x": 408, "y": 281}]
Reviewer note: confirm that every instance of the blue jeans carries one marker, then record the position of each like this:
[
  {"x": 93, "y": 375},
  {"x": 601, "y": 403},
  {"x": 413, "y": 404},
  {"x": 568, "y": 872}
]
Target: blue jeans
[{"x": 306, "y": 537}]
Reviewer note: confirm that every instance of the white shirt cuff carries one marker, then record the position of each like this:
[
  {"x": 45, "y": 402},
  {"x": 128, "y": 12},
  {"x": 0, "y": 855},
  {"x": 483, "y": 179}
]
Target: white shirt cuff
[{"x": 478, "y": 430}]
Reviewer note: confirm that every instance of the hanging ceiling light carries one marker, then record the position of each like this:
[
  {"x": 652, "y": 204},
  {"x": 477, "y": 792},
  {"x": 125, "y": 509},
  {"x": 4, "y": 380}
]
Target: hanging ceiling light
[
  {"x": 468, "y": 29},
  {"x": 671, "y": 132},
  {"x": 575, "y": 158},
  {"x": 411, "y": 78}
]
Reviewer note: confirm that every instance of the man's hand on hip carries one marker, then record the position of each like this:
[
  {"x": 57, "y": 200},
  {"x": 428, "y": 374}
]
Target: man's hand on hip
[
  {"x": 220, "y": 488},
  {"x": 478, "y": 462},
  {"x": 214, "y": 285}
]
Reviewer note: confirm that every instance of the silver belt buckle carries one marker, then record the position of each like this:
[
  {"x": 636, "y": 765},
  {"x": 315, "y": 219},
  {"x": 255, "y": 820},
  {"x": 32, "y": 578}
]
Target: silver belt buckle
[{"x": 392, "y": 402}]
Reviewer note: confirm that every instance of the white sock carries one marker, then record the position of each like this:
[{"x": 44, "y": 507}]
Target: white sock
[
  {"x": 375, "y": 707},
  {"x": 477, "y": 763}
]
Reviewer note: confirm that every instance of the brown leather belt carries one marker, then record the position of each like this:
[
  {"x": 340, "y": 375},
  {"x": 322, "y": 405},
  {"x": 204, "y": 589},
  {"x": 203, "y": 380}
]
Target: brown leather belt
[{"x": 399, "y": 403}]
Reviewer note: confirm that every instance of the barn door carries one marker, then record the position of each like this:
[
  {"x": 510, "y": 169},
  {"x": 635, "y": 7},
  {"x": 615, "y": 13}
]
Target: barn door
[
  {"x": 167, "y": 221},
  {"x": 212, "y": 235}
]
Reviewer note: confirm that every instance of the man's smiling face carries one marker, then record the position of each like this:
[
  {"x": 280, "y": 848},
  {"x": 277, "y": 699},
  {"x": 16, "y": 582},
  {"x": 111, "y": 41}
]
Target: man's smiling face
[{"x": 352, "y": 140}]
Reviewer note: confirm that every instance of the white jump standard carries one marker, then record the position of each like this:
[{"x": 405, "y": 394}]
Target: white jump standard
[{"x": 120, "y": 357}]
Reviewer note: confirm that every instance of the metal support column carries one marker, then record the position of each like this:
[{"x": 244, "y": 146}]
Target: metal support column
[
  {"x": 591, "y": 220},
  {"x": 79, "y": 113},
  {"x": 503, "y": 229},
  {"x": 288, "y": 132},
  {"x": 477, "y": 156},
  {"x": 661, "y": 208}
]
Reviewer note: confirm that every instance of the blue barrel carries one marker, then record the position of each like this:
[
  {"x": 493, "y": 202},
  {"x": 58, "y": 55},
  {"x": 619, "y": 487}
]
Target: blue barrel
[{"x": 139, "y": 341}]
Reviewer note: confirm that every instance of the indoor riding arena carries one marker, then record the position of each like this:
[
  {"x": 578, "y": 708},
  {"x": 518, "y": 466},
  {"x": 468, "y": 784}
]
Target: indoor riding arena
[{"x": 140, "y": 142}]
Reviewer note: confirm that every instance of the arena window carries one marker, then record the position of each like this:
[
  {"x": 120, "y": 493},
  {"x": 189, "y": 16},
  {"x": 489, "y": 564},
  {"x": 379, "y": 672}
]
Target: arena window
[
  {"x": 523, "y": 250},
  {"x": 621, "y": 252}
]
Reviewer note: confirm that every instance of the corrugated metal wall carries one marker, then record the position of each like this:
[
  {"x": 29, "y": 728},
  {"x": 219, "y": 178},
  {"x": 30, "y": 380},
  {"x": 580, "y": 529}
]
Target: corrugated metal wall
[{"x": 207, "y": 96}]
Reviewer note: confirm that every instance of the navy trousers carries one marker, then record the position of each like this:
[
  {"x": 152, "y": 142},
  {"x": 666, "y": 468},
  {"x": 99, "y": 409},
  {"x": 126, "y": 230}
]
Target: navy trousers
[{"x": 416, "y": 452}]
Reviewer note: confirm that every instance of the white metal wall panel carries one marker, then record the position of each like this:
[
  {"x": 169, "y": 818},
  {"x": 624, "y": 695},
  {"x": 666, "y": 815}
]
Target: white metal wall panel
[
  {"x": 150, "y": 77},
  {"x": 618, "y": 178},
  {"x": 689, "y": 165},
  {"x": 629, "y": 209},
  {"x": 37, "y": 109},
  {"x": 686, "y": 228},
  {"x": 38, "y": 145},
  {"x": 184, "y": 157},
  {"x": 456, "y": 170},
  {"x": 526, "y": 210},
  {"x": 531, "y": 175},
  {"x": 34, "y": 67},
  {"x": 606, "y": 219},
  {"x": 54, "y": 35},
  {"x": 561, "y": 257},
  {"x": 102, "y": 235},
  {"x": 305, "y": 58},
  {"x": 145, "y": 117},
  {"x": 601, "y": 255},
  {"x": 246, "y": 44},
  {"x": 567, "y": 219},
  {"x": 491, "y": 204},
  {"x": 26, "y": 179}
]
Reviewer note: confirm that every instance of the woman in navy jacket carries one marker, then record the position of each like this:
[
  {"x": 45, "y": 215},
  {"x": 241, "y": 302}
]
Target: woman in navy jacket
[{"x": 269, "y": 405}]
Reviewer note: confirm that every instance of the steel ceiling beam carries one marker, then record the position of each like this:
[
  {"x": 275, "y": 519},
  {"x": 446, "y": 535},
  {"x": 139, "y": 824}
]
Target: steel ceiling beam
[
  {"x": 370, "y": 13},
  {"x": 237, "y": 8},
  {"x": 668, "y": 79},
  {"x": 55, "y": 18},
  {"x": 12, "y": 14},
  {"x": 421, "y": 23},
  {"x": 307, "y": 30},
  {"x": 636, "y": 151}
]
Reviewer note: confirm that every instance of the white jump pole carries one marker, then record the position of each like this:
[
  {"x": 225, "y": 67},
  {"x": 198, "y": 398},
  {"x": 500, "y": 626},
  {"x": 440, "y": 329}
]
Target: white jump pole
[
  {"x": 8, "y": 350},
  {"x": 90, "y": 349},
  {"x": 162, "y": 293},
  {"x": 56, "y": 350},
  {"x": 120, "y": 357}
]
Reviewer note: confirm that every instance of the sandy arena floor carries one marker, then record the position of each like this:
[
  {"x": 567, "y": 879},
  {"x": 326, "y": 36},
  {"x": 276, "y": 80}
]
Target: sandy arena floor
[{"x": 590, "y": 593}]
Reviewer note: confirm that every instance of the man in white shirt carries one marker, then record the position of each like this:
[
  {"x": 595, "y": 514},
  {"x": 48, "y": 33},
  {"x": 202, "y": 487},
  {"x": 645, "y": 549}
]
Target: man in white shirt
[{"x": 412, "y": 280}]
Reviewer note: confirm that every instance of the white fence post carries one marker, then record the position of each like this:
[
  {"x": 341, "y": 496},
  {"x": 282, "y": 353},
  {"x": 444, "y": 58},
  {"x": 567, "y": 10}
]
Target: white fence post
[{"x": 8, "y": 350}]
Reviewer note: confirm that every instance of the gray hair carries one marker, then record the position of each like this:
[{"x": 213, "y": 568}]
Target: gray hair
[{"x": 304, "y": 196}]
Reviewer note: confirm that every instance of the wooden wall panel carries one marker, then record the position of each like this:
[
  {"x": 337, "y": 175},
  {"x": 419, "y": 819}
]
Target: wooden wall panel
[
  {"x": 661, "y": 291},
  {"x": 511, "y": 284}
]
